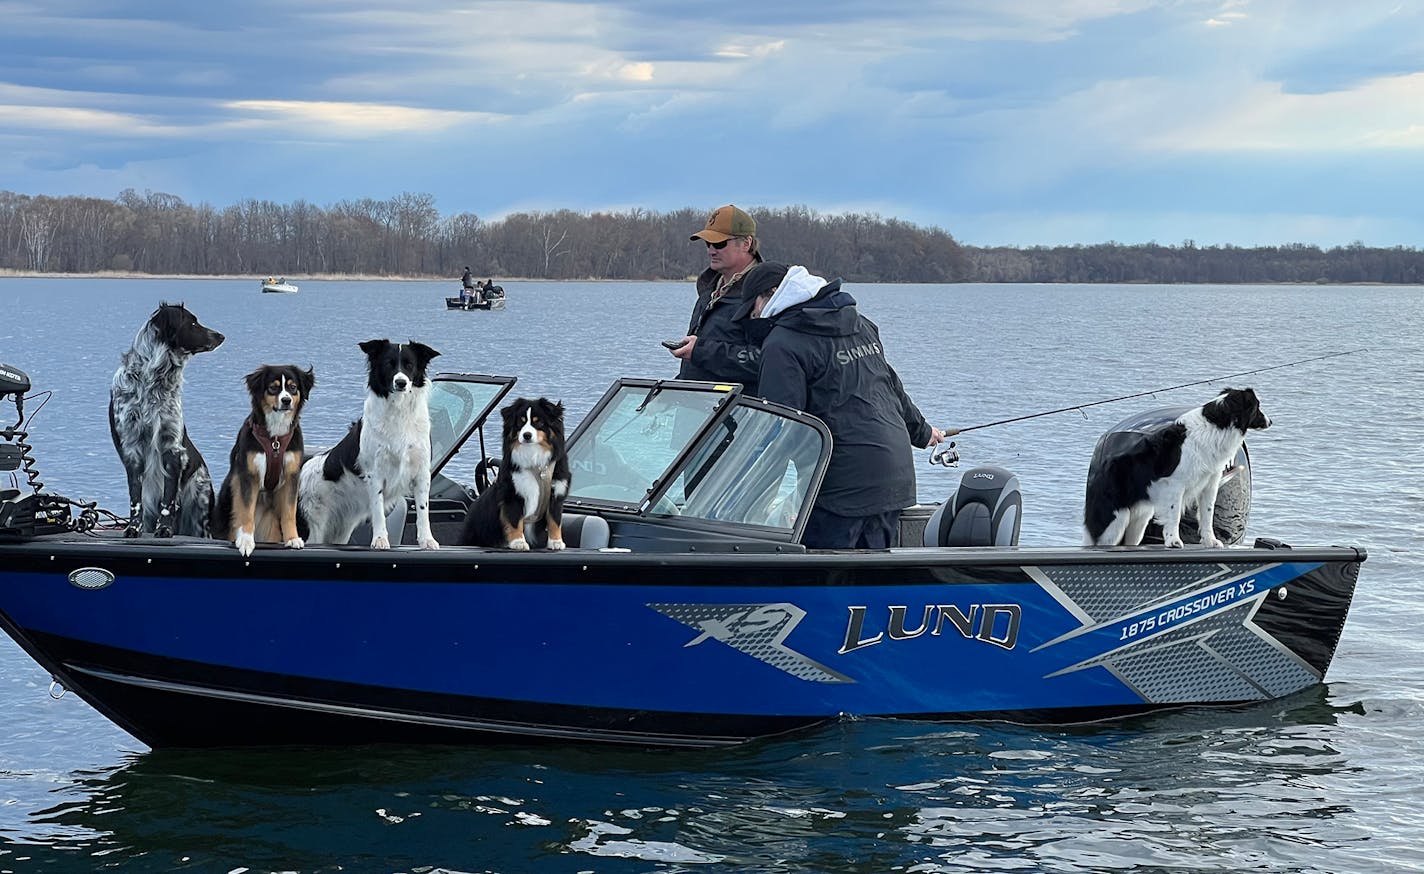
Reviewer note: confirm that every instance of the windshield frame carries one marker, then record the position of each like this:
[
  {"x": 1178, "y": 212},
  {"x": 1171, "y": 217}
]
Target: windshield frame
[
  {"x": 504, "y": 384},
  {"x": 661, "y": 484}
]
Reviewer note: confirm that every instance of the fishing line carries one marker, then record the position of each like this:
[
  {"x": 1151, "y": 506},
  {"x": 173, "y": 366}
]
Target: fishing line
[
  {"x": 950, "y": 456},
  {"x": 1152, "y": 392}
]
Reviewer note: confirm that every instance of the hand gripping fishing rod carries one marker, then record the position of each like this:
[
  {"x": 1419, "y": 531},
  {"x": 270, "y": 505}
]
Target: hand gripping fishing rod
[{"x": 949, "y": 455}]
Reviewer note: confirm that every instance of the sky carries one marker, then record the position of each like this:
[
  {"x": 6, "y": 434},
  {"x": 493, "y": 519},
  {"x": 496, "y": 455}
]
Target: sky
[{"x": 1003, "y": 122}]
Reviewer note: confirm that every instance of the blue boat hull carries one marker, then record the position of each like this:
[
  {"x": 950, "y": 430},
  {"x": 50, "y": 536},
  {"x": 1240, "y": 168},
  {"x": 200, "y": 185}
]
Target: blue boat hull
[{"x": 187, "y": 644}]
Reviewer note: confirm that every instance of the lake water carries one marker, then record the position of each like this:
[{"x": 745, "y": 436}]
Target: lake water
[{"x": 1328, "y": 781}]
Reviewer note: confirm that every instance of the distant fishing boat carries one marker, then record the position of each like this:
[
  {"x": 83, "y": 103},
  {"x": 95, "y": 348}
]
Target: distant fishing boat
[
  {"x": 478, "y": 297},
  {"x": 278, "y": 286}
]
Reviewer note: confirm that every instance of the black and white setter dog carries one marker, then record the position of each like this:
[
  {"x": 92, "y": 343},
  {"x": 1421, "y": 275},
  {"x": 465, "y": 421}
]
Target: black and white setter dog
[{"x": 170, "y": 489}]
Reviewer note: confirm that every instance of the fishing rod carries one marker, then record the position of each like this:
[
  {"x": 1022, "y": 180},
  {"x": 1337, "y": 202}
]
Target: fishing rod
[{"x": 949, "y": 456}]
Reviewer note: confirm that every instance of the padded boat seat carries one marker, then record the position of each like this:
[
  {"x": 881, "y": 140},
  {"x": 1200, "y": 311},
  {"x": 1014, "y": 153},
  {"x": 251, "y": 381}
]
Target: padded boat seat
[
  {"x": 585, "y": 532},
  {"x": 983, "y": 511}
]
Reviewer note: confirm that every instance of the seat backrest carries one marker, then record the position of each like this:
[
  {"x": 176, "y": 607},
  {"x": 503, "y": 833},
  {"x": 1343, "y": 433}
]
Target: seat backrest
[
  {"x": 984, "y": 510},
  {"x": 585, "y": 532}
]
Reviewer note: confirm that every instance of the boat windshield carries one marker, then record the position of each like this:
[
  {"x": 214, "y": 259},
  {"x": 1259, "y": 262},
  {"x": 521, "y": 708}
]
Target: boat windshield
[
  {"x": 753, "y": 465},
  {"x": 458, "y": 403}
]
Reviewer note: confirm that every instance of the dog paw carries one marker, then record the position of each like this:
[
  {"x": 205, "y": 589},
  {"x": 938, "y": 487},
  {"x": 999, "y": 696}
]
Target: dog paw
[
  {"x": 556, "y": 545},
  {"x": 162, "y": 531},
  {"x": 429, "y": 543},
  {"x": 1173, "y": 543},
  {"x": 520, "y": 545},
  {"x": 295, "y": 543},
  {"x": 244, "y": 543},
  {"x": 380, "y": 541},
  {"x": 1211, "y": 543},
  {"x": 132, "y": 531}
]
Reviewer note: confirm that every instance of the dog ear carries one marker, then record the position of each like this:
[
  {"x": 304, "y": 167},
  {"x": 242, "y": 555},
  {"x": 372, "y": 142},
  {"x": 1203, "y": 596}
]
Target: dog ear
[
  {"x": 371, "y": 347},
  {"x": 423, "y": 352},
  {"x": 556, "y": 412},
  {"x": 256, "y": 380},
  {"x": 306, "y": 379}
]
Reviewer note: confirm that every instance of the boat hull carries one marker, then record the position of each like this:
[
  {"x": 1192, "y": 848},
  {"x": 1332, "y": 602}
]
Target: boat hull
[{"x": 188, "y": 644}]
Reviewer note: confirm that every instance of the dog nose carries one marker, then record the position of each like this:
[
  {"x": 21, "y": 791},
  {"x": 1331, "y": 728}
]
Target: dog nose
[{"x": 401, "y": 383}]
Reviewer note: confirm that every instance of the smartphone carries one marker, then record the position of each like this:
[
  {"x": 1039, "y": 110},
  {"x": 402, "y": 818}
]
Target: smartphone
[{"x": 672, "y": 344}]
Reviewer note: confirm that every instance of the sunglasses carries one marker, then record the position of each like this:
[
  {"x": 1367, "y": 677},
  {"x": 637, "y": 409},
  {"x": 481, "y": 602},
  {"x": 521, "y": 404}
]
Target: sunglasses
[{"x": 721, "y": 245}]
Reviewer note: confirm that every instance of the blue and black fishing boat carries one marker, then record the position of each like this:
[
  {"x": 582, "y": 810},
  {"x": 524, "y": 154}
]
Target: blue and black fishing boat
[{"x": 684, "y": 612}]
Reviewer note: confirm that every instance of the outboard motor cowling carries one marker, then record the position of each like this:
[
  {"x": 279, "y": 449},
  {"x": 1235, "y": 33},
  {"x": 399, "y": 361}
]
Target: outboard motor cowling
[
  {"x": 986, "y": 510},
  {"x": 1233, "y": 499}
]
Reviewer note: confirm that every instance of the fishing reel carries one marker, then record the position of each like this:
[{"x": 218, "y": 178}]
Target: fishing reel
[{"x": 945, "y": 454}]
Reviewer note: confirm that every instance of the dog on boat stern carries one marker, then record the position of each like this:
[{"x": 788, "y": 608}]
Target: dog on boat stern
[
  {"x": 531, "y": 485},
  {"x": 170, "y": 489},
  {"x": 383, "y": 459},
  {"x": 1173, "y": 468},
  {"x": 258, "y": 498}
]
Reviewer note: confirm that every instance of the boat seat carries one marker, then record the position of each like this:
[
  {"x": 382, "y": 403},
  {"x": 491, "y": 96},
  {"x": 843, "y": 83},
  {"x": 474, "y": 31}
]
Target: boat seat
[
  {"x": 585, "y": 532},
  {"x": 984, "y": 511}
]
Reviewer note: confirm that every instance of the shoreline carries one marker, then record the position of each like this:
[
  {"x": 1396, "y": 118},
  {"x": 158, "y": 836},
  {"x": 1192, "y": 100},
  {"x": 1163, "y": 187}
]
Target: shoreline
[{"x": 10, "y": 273}]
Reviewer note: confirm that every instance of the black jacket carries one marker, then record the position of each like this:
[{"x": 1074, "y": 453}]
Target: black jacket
[
  {"x": 824, "y": 357},
  {"x": 722, "y": 353}
]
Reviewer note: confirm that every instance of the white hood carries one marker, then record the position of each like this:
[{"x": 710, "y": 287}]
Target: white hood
[{"x": 799, "y": 286}]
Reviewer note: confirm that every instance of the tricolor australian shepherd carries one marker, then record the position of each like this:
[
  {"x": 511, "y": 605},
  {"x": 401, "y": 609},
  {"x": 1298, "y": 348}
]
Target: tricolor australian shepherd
[
  {"x": 170, "y": 489},
  {"x": 382, "y": 460},
  {"x": 258, "y": 499},
  {"x": 1175, "y": 467},
  {"x": 531, "y": 485}
]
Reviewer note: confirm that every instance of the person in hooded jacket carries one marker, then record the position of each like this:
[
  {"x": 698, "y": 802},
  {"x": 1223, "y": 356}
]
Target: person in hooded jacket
[
  {"x": 715, "y": 349},
  {"x": 820, "y": 355}
]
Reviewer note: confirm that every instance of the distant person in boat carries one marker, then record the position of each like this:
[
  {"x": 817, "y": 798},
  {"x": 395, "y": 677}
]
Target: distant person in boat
[
  {"x": 467, "y": 285},
  {"x": 820, "y": 355},
  {"x": 715, "y": 348}
]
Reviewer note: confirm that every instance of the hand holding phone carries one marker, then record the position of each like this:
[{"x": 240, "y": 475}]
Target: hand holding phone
[{"x": 672, "y": 344}]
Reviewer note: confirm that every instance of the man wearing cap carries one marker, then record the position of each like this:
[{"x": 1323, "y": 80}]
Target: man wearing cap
[
  {"x": 819, "y": 354},
  {"x": 715, "y": 348}
]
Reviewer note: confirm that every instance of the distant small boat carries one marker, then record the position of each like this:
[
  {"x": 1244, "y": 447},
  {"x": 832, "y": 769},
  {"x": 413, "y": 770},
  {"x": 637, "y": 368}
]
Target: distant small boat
[
  {"x": 278, "y": 286},
  {"x": 491, "y": 298}
]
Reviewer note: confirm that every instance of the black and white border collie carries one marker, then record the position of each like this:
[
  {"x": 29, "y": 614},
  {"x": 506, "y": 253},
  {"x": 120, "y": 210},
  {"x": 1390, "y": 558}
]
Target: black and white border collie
[
  {"x": 258, "y": 499},
  {"x": 382, "y": 460},
  {"x": 531, "y": 485},
  {"x": 170, "y": 489},
  {"x": 1178, "y": 466}
]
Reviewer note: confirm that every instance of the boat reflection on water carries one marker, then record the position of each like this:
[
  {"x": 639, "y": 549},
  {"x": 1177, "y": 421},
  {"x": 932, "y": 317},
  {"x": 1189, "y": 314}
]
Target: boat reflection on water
[{"x": 982, "y": 789}]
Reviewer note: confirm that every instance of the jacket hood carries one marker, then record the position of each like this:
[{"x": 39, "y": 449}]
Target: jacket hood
[{"x": 830, "y": 312}]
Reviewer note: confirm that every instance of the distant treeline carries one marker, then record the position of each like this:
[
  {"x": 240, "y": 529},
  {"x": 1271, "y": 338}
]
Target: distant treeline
[{"x": 407, "y": 236}]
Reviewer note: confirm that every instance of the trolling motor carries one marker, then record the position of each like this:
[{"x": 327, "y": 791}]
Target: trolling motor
[
  {"x": 38, "y": 512},
  {"x": 13, "y": 381}
]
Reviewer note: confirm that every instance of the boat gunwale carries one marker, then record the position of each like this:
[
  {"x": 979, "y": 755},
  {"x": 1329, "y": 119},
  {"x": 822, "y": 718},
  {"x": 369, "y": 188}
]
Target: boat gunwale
[{"x": 757, "y": 554}]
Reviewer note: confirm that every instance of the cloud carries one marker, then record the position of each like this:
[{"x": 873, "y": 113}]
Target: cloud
[
  {"x": 1165, "y": 113},
  {"x": 1384, "y": 113},
  {"x": 332, "y": 119}
]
